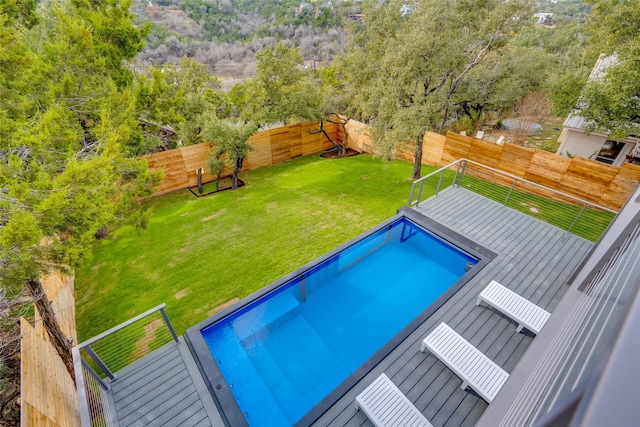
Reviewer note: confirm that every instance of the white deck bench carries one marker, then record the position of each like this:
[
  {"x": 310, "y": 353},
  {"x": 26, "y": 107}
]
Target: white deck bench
[
  {"x": 475, "y": 369},
  {"x": 385, "y": 405},
  {"x": 523, "y": 311}
]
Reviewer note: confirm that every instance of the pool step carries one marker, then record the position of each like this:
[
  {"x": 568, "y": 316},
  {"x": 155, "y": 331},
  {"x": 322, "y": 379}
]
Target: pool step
[
  {"x": 244, "y": 372},
  {"x": 294, "y": 380},
  {"x": 264, "y": 315}
]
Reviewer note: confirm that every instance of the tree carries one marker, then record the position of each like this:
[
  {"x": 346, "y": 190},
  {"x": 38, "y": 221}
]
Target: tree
[
  {"x": 408, "y": 65},
  {"x": 180, "y": 96},
  {"x": 531, "y": 110},
  {"x": 115, "y": 37},
  {"x": 66, "y": 127},
  {"x": 281, "y": 91},
  {"x": 330, "y": 101},
  {"x": 232, "y": 139},
  {"x": 611, "y": 102},
  {"x": 495, "y": 86},
  {"x": 215, "y": 165}
]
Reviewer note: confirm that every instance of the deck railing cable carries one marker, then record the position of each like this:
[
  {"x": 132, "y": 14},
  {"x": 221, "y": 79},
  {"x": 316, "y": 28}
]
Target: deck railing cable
[
  {"x": 563, "y": 210},
  {"x": 98, "y": 360}
]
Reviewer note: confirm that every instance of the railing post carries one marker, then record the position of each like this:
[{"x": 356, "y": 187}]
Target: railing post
[
  {"x": 413, "y": 187},
  {"x": 79, "y": 367},
  {"x": 584, "y": 206},
  {"x": 166, "y": 320},
  {"x": 100, "y": 363},
  {"x": 439, "y": 182},
  {"x": 455, "y": 177},
  {"x": 419, "y": 193},
  {"x": 464, "y": 169},
  {"x": 510, "y": 191},
  {"x": 87, "y": 368}
]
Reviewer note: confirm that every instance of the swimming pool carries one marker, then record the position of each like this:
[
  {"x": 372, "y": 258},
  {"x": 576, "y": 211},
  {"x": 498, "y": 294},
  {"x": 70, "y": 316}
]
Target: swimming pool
[{"x": 282, "y": 352}]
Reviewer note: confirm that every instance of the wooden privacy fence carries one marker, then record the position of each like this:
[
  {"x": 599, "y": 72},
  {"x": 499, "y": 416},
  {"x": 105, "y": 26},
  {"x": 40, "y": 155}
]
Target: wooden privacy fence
[
  {"x": 596, "y": 182},
  {"x": 269, "y": 147},
  {"x": 48, "y": 393}
]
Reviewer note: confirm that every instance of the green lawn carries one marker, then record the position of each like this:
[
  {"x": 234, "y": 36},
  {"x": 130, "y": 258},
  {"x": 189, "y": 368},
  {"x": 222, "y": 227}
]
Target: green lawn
[{"x": 200, "y": 252}]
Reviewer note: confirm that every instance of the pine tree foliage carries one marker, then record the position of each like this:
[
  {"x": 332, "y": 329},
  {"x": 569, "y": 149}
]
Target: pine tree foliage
[{"x": 67, "y": 116}]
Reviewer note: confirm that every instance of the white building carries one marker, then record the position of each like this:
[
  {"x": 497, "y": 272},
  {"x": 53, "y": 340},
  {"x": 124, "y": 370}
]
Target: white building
[{"x": 596, "y": 145}]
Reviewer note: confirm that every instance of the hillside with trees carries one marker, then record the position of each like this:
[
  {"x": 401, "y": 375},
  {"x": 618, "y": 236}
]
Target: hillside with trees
[{"x": 226, "y": 35}]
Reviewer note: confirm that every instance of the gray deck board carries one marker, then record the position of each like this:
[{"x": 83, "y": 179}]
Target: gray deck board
[
  {"x": 534, "y": 259},
  {"x": 163, "y": 388}
]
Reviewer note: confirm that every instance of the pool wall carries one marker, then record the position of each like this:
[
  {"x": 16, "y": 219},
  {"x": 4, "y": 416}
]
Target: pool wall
[{"x": 219, "y": 389}]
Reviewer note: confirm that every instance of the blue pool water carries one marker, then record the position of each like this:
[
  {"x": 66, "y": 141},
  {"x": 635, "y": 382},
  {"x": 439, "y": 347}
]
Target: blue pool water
[{"x": 283, "y": 353}]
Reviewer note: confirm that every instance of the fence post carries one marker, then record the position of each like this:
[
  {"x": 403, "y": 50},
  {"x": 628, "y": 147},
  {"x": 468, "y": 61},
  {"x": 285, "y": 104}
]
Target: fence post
[{"x": 584, "y": 205}]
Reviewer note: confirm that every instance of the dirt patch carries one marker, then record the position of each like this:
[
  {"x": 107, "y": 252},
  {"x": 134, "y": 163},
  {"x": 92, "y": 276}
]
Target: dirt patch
[
  {"x": 142, "y": 344},
  {"x": 272, "y": 207},
  {"x": 97, "y": 266},
  {"x": 183, "y": 293},
  {"x": 223, "y": 306},
  {"x": 215, "y": 215},
  {"x": 211, "y": 188}
]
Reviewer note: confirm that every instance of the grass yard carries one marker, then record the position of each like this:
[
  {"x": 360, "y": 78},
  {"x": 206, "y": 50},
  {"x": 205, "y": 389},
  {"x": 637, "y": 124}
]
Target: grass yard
[{"x": 200, "y": 252}]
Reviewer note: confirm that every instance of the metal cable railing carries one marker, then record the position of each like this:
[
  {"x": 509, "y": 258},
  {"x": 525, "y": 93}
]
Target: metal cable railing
[
  {"x": 570, "y": 213},
  {"x": 583, "y": 338},
  {"x": 98, "y": 360}
]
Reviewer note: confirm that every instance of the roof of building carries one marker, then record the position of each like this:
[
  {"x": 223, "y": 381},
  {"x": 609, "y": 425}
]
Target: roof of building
[{"x": 575, "y": 120}]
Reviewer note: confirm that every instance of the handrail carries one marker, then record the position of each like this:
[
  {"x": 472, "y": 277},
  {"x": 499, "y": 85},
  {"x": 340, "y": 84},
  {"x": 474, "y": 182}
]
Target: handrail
[
  {"x": 123, "y": 325},
  {"x": 95, "y": 404},
  {"x": 507, "y": 174},
  {"x": 518, "y": 187}
]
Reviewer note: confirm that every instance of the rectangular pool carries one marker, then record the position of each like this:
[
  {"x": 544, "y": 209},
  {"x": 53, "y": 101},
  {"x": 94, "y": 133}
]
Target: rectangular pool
[{"x": 285, "y": 351}]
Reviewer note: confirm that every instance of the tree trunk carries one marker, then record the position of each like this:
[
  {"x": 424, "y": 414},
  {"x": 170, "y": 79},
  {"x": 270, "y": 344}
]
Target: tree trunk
[
  {"x": 236, "y": 172},
  {"x": 444, "y": 120},
  {"x": 340, "y": 148},
  {"x": 60, "y": 342},
  {"x": 417, "y": 157}
]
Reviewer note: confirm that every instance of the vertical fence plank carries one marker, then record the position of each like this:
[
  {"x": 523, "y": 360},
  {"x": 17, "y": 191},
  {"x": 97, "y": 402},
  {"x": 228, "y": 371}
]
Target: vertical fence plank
[
  {"x": 269, "y": 147},
  {"x": 47, "y": 391}
]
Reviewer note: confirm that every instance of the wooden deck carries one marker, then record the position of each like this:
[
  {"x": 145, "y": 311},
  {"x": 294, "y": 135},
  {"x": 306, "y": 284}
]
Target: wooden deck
[
  {"x": 534, "y": 259},
  {"x": 164, "y": 388}
]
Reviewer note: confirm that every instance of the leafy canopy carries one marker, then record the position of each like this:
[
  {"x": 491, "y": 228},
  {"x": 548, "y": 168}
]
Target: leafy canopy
[{"x": 612, "y": 102}]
